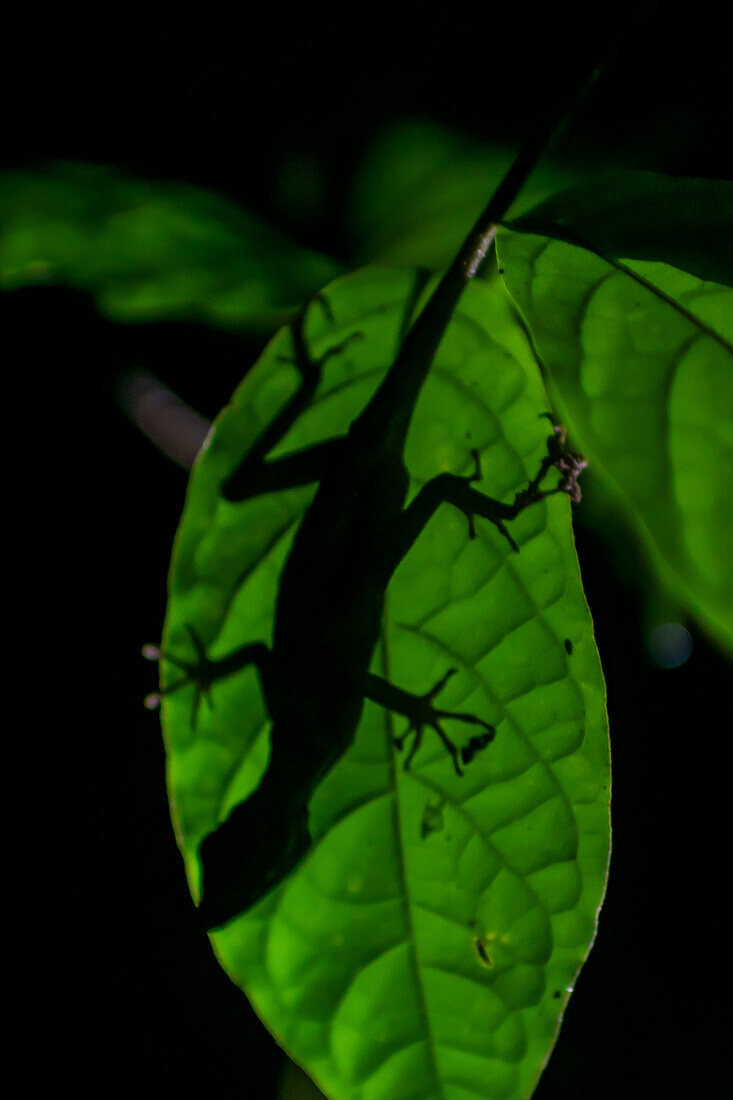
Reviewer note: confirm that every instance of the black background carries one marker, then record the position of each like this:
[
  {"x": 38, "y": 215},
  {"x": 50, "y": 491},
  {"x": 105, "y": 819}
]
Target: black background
[{"x": 111, "y": 981}]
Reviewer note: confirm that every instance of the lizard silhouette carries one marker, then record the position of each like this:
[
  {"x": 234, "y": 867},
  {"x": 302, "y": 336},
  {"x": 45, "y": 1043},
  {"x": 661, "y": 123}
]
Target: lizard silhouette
[{"x": 330, "y": 600}]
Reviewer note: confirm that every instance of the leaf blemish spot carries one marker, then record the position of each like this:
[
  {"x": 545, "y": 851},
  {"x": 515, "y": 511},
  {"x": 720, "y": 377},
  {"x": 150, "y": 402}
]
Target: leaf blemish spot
[{"x": 483, "y": 955}]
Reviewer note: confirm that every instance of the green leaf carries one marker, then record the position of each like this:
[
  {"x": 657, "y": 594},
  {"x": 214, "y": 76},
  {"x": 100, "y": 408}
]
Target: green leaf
[
  {"x": 149, "y": 250},
  {"x": 428, "y": 944},
  {"x": 685, "y": 222},
  {"x": 421, "y": 187},
  {"x": 641, "y": 358}
]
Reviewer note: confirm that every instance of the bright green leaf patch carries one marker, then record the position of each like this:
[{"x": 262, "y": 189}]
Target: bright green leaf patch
[
  {"x": 427, "y": 946},
  {"x": 641, "y": 357},
  {"x": 148, "y": 251}
]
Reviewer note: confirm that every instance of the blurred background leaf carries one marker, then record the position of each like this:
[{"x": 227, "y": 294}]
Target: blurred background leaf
[
  {"x": 421, "y": 186},
  {"x": 151, "y": 250}
]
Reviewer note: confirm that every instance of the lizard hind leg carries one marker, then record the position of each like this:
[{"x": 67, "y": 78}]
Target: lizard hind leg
[
  {"x": 196, "y": 672},
  {"x": 420, "y": 712},
  {"x": 204, "y": 672}
]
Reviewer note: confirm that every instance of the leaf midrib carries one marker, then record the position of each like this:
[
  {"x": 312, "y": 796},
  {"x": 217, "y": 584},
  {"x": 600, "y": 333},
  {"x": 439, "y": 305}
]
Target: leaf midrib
[{"x": 402, "y": 869}]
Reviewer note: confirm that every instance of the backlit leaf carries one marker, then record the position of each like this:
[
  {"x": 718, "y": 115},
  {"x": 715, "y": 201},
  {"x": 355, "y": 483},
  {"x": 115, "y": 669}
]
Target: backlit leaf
[
  {"x": 641, "y": 359},
  {"x": 427, "y": 946},
  {"x": 684, "y": 222}
]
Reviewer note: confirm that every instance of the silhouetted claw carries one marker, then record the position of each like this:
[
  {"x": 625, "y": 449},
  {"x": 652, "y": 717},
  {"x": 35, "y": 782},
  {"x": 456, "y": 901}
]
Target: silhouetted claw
[
  {"x": 571, "y": 466},
  {"x": 568, "y": 463},
  {"x": 476, "y": 744}
]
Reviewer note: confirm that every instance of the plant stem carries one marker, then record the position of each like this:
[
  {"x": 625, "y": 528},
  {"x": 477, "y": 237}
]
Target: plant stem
[{"x": 428, "y": 329}]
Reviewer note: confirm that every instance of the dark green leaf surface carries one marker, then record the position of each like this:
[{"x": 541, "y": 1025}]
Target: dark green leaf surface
[
  {"x": 427, "y": 946},
  {"x": 641, "y": 357},
  {"x": 150, "y": 250},
  {"x": 421, "y": 187},
  {"x": 685, "y": 222}
]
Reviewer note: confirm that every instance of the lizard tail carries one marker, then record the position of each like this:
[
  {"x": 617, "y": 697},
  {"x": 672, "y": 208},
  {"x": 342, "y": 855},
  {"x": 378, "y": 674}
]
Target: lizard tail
[{"x": 259, "y": 844}]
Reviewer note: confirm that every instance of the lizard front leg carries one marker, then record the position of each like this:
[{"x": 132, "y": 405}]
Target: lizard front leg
[
  {"x": 255, "y": 475},
  {"x": 459, "y": 491}
]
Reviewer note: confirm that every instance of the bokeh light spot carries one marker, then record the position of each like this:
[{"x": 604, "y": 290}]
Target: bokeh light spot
[{"x": 670, "y": 645}]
